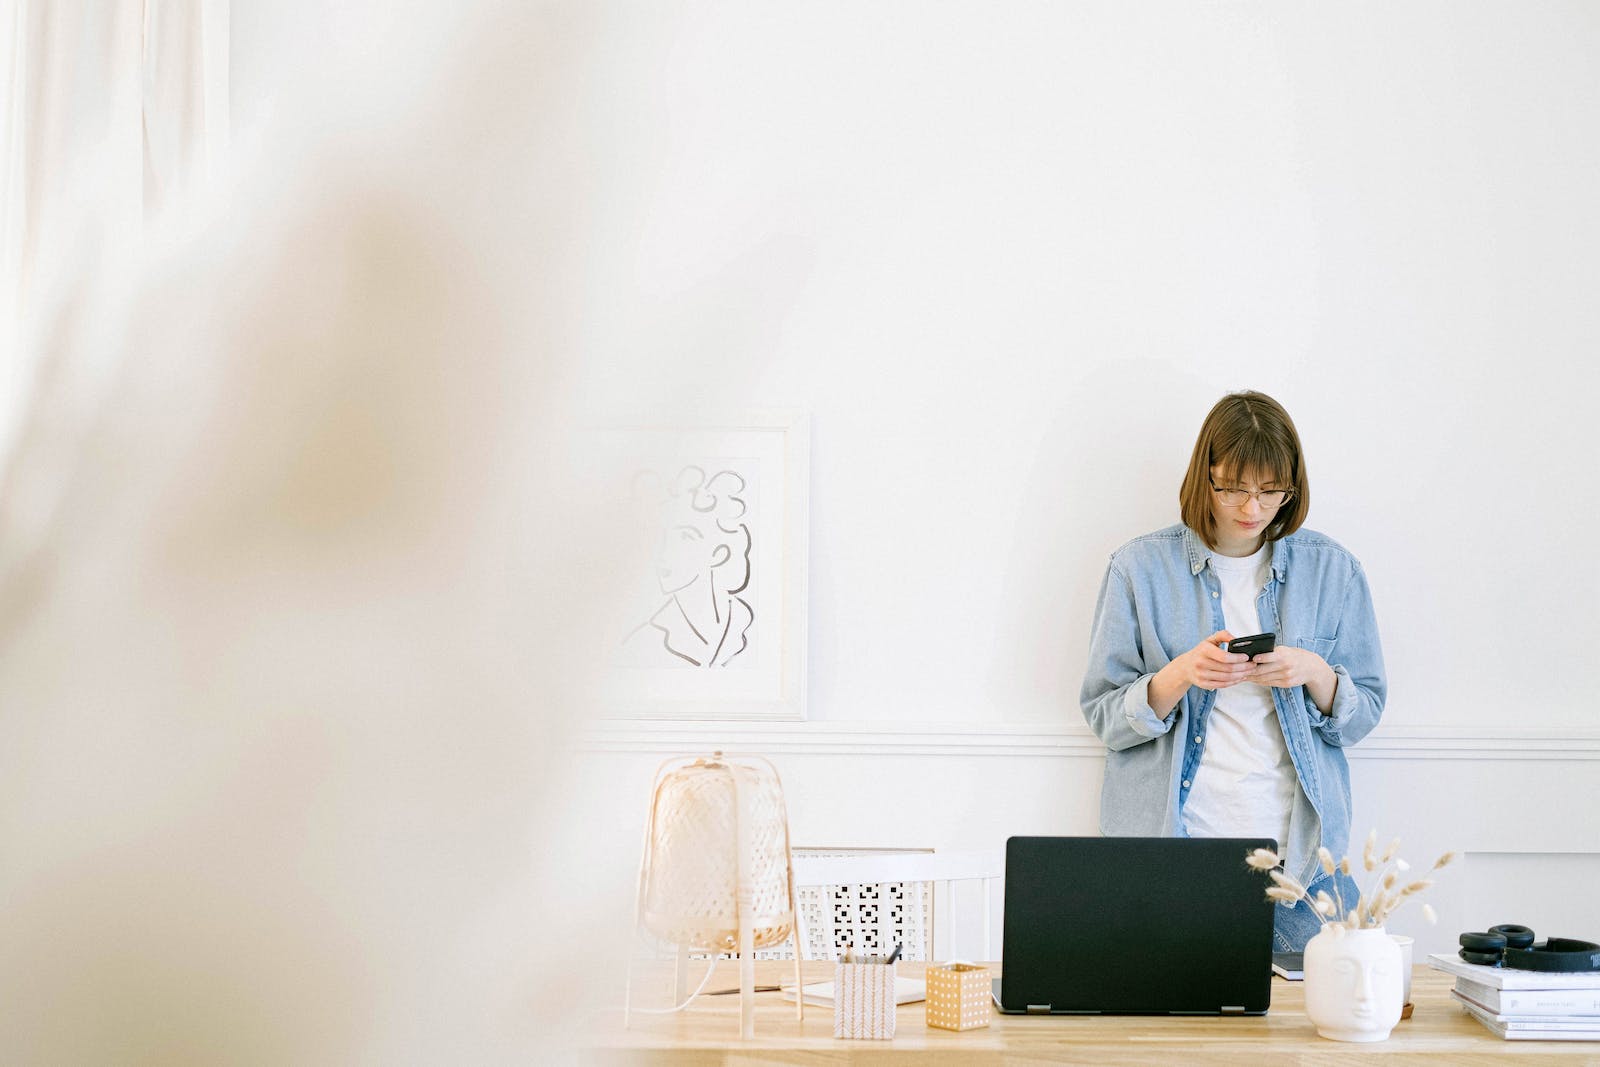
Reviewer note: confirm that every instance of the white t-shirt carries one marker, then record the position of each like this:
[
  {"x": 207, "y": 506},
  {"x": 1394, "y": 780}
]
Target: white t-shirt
[{"x": 1245, "y": 784}]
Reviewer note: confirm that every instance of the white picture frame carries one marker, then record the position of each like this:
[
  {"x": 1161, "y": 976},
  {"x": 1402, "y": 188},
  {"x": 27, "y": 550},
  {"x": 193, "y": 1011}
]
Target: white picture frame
[{"x": 716, "y": 625}]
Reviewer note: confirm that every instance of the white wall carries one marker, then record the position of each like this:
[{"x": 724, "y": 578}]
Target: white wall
[
  {"x": 1042, "y": 240},
  {"x": 1021, "y": 249}
]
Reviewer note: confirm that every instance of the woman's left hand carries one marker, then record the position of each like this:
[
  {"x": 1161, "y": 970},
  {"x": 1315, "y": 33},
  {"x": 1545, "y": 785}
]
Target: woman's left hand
[{"x": 1287, "y": 667}]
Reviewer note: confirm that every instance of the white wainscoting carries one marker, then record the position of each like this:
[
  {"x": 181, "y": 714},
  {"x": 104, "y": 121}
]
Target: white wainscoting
[
  {"x": 1517, "y": 804},
  {"x": 1551, "y": 892}
]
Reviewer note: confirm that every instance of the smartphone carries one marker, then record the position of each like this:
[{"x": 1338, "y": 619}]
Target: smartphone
[{"x": 1254, "y": 645}]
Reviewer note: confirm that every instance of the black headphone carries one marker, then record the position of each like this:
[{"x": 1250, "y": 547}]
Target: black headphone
[{"x": 1512, "y": 946}]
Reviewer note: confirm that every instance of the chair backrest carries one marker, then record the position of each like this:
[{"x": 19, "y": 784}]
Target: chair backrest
[{"x": 936, "y": 905}]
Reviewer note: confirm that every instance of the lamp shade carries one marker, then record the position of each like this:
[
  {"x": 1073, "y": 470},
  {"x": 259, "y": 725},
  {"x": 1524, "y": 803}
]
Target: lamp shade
[{"x": 717, "y": 855}]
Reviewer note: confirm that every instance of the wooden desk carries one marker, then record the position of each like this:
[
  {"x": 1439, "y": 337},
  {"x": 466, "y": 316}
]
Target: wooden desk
[{"x": 707, "y": 1032}]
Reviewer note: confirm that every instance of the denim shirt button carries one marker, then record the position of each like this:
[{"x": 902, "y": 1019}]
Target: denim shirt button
[
  {"x": 1197, "y": 739},
  {"x": 1186, "y": 783},
  {"x": 1215, "y": 594}
]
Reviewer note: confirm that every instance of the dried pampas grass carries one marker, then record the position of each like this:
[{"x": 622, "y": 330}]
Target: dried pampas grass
[{"x": 1383, "y": 897}]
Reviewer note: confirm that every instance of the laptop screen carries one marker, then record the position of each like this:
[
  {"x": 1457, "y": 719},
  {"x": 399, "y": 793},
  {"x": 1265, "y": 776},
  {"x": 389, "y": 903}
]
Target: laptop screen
[{"x": 1135, "y": 925}]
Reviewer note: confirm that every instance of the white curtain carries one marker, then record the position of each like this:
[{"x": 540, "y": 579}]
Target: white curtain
[{"x": 111, "y": 112}]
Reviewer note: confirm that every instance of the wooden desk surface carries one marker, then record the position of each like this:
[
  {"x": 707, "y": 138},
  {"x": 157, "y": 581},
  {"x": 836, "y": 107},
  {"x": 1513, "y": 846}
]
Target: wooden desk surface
[{"x": 707, "y": 1032}]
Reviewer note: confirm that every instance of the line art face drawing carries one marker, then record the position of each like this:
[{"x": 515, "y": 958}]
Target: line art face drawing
[{"x": 703, "y": 615}]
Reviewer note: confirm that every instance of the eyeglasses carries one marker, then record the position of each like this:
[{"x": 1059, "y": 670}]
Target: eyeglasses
[{"x": 1234, "y": 498}]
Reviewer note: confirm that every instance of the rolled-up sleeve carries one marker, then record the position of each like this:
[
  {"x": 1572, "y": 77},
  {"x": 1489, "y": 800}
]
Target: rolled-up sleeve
[
  {"x": 1357, "y": 660},
  {"x": 1116, "y": 687}
]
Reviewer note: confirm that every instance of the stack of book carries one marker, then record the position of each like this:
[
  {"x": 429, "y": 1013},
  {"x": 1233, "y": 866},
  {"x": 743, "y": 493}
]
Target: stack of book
[{"x": 1527, "y": 1005}]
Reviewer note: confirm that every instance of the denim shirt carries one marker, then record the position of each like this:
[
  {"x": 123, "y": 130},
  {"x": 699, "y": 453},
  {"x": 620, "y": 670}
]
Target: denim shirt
[{"x": 1159, "y": 599}]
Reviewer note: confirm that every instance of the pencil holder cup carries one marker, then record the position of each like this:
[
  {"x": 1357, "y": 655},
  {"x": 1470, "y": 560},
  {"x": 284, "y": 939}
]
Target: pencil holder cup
[
  {"x": 863, "y": 1000},
  {"x": 958, "y": 997}
]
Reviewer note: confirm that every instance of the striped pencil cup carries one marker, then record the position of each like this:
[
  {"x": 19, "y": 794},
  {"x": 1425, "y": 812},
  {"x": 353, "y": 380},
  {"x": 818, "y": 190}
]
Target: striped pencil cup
[
  {"x": 958, "y": 997},
  {"x": 863, "y": 1000}
]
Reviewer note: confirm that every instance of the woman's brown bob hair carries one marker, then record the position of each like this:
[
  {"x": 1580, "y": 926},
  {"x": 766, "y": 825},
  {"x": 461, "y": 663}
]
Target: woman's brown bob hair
[{"x": 1246, "y": 433}]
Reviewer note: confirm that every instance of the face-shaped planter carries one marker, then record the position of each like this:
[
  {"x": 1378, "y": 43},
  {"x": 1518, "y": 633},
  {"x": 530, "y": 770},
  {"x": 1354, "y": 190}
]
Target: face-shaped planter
[{"x": 1354, "y": 984}]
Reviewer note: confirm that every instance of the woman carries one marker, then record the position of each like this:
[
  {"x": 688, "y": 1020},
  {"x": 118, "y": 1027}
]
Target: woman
[{"x": 1208, "y": 743}]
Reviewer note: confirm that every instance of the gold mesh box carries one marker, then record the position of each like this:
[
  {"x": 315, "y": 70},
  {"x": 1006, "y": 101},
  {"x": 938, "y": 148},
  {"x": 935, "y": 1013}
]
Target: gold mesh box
[{"x": 958, "y": 996}]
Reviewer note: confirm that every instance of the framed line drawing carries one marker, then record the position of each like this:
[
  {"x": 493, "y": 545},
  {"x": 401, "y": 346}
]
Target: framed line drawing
[{"x": 713, "y": 624}]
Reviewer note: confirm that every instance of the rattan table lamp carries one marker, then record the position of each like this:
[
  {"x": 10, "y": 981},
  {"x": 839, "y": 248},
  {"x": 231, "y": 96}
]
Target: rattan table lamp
[{"x": 716, "y": 875}]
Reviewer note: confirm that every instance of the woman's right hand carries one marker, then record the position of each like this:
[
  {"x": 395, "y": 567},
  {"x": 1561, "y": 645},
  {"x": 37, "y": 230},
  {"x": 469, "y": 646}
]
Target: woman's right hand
[{"x": 1205, "y": 665}]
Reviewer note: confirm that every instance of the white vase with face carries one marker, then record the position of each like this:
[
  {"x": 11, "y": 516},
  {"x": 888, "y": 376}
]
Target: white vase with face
[{"x": 1354, "y": 988}]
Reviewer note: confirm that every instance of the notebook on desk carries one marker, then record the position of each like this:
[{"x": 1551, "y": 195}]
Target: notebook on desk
[
  {"x": 1135, "y": 925},
  {"x": 906, "y": 991}
]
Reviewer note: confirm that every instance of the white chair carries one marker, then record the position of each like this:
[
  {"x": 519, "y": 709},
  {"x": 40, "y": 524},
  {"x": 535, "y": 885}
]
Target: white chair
[{"x": 936, "y": 905}]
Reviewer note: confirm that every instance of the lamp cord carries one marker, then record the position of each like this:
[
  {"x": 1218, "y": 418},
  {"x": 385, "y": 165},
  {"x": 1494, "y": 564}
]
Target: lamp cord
[{"x": 710, "y": 967}]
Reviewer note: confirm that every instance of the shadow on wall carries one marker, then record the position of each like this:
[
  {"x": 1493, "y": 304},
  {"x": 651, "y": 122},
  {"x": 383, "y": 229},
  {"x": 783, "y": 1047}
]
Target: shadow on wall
[{"x": 1104, "y": 473}]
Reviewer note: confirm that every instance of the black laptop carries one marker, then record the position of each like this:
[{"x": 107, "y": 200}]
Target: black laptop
[{"x": 1135, "y": 925}]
